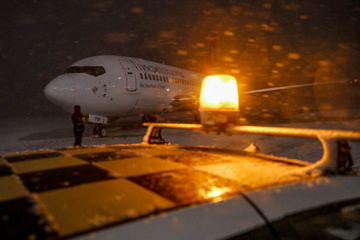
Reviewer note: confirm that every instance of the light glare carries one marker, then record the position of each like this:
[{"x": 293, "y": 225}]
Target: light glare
[{"x": 219, "y": 92}]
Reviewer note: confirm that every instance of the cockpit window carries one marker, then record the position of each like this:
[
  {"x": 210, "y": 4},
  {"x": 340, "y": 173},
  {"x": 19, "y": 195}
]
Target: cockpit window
[{"x": 91, "y": 70}]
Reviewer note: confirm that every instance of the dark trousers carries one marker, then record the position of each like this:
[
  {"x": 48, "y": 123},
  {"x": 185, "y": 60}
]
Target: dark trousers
[{"x": 78, "y": 138}]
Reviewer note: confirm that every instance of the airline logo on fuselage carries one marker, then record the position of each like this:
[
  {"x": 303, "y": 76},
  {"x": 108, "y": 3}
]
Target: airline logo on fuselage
[{"x": 157, "y": 69}]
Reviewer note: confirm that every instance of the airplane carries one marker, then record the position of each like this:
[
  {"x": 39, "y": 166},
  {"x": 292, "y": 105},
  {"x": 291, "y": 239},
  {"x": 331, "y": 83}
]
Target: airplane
[{"x": 108, "y": 87}]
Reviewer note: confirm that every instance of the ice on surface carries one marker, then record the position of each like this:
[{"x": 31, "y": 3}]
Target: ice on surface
[{"x": 19, "y": 135}]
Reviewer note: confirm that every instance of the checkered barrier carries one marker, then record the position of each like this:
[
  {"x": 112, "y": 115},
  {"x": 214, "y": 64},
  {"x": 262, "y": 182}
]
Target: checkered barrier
[{"x": 59, "y": 193}]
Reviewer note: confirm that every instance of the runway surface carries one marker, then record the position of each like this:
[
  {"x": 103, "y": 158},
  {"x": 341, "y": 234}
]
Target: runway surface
[{"x": 24, "y": 134}]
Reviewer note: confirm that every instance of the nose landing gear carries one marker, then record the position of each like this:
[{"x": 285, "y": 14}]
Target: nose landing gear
[{"x": 148, "y": 118}]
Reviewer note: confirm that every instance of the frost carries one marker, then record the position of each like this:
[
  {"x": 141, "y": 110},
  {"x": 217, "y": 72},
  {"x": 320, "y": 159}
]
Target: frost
[
  {"x": 131, "y": 213},
  {"x": 99, "y": 220},
  {"x": 253, "y": 148},
  {"x": 45, "y": 218}
]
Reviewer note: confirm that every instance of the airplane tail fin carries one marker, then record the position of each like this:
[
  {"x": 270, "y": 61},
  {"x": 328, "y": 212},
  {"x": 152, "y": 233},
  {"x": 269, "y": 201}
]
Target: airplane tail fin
[{"x": 209, "y": 67}]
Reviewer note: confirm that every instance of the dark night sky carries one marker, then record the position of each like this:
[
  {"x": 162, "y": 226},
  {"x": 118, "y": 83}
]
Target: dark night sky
[{"x": 264, "y": 42}]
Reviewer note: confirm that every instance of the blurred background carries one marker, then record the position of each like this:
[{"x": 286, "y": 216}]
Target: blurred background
[{"x": 264, "y": 43}]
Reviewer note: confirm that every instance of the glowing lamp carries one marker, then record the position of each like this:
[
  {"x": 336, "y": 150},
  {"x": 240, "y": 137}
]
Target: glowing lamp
[{"x": 219, "y": 101}]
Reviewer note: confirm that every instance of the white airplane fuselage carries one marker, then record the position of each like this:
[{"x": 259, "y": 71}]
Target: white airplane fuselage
[{"x": 114, "y": 86}]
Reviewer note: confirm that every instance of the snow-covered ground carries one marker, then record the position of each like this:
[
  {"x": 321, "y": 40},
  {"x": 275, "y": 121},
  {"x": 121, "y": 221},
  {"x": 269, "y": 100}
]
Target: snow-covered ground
[{"x": 26, "y": 134}]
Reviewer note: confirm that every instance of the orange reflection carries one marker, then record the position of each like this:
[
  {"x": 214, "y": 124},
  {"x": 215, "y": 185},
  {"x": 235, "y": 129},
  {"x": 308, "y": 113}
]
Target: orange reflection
[{"x": 214, "y": 192}]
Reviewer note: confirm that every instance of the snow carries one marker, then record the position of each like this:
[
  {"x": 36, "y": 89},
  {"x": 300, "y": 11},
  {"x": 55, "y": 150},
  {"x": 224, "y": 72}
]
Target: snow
[{"x": 27, "y": 134}]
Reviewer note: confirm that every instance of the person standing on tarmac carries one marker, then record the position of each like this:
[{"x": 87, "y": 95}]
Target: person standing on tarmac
[{"x": 79, "y": 126}]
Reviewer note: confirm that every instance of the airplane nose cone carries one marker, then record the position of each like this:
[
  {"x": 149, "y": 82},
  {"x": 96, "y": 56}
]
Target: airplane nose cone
[{"x": 61, "y": 92}]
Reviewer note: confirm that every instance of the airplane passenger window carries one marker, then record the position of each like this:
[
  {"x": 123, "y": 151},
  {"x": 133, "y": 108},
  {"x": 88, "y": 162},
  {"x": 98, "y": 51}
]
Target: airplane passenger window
[{"x": 91, "y": 70}]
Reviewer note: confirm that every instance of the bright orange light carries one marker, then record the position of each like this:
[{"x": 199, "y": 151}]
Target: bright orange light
[
  {"x": 219, "y": 93},
  {"x": 214, "y": 192}
]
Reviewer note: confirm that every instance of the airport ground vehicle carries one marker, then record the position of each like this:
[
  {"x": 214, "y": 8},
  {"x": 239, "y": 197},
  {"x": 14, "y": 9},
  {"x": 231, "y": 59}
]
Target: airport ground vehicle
[{"x": 154, "y": 190}]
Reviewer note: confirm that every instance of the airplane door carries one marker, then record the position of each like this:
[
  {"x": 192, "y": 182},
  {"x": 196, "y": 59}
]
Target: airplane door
[{"x": 130, "y": 76}]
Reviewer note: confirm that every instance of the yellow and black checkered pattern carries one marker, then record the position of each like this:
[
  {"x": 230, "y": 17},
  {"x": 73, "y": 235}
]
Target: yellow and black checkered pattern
[{"x": 58, "y": 193}]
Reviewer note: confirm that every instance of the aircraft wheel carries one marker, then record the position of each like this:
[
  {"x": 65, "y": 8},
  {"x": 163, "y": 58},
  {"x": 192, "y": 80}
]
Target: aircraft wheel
[
  {"x": 99, "y": 131},
  {"x": 103, "y": 132}
]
